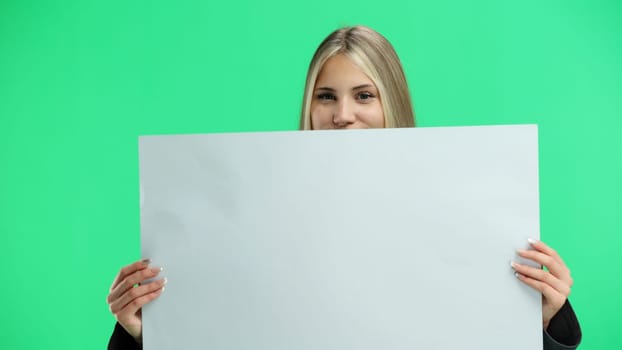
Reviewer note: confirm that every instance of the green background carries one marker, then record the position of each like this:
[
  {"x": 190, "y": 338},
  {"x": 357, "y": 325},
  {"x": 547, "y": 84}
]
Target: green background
[{"x": 80, "y": 80}]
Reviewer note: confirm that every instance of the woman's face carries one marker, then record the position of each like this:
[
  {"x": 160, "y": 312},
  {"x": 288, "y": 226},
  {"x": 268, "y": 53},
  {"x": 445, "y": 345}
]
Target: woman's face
[{"x": 345, "y": 98}]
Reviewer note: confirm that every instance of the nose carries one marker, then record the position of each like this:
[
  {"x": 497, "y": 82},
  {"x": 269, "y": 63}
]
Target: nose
[{"x": 343, "y": 114}]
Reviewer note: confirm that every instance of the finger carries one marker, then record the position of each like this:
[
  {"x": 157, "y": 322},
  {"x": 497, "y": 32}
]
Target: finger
[
  {"x": 542, "y": 276},
  {"x": 128, "y": 270},
  {"x": 558, "y": 269},
  {"x": 132, "y": 308},
  {"x": 135, "y": 296},
  {"x": 130, "y": 281},
  {"x": 542, "y": 247},
  {"x": 549, "y": 293}
]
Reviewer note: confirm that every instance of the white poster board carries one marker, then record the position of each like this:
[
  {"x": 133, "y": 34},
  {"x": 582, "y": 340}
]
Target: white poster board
[{"x": 341, "y": 240}]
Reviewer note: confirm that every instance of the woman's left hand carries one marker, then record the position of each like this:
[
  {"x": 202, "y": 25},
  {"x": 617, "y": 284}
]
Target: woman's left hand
[{"x": 554, "y": 283}]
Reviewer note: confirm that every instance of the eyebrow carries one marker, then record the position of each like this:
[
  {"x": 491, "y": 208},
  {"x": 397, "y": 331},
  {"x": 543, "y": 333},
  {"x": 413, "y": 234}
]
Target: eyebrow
[{"x": 326, "y": 88}]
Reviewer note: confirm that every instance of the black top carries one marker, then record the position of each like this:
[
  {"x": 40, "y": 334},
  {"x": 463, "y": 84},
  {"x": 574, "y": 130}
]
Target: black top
[{"x": 563, "y": 333}]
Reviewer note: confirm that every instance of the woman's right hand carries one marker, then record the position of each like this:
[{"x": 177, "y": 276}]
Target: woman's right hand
[{"x": 128, "y": 295}]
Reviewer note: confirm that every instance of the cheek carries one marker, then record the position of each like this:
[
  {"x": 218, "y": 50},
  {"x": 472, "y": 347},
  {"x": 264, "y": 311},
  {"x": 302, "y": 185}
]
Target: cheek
[
  {"x": 321, "y": 116},
  {"x": 373, "y": 116}
]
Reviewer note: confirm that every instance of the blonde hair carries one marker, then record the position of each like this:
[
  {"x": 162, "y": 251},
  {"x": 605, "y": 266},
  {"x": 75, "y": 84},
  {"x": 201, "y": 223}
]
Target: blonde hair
[{"x": 375, "y": 56}]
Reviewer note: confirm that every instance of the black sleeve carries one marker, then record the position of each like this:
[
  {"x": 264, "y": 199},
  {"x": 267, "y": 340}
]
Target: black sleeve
[
  {"x": 122, "y": 340},
  {"x": 563, "y": 331}
]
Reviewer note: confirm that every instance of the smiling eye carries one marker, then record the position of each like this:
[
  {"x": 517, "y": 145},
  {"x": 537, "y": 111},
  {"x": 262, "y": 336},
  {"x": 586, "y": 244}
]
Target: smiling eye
[
  {"x": 364, "y": 96},
  {"x": 325, "y": 96}
]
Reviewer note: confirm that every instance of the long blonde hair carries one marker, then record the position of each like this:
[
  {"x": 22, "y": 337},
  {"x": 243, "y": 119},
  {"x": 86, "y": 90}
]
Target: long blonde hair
[{"x": 375, "y": 56}]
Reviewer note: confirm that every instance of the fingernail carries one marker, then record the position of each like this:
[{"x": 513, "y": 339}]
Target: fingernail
[
  {"x": 164, "y": 281},
  {"x": 162, "y": 290},
  {"x": 532, "y": 241},
  {"x": 518, "y": 275},
  {"x": 157, "y": 269},
  {"x": 146, "y": 261},
  {"x": 513, "y": 264}
]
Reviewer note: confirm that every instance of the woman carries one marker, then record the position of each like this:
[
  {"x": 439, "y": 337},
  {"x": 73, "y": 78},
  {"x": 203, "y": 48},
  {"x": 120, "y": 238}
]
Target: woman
[{"x": 355, "y": 80}]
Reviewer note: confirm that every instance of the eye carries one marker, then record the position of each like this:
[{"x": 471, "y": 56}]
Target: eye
[
  {"x": 326, "y": 96},
  {"x": 365, "y": 96}
]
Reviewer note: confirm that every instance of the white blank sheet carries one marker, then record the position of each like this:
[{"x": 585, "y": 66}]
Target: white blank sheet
[{"x": 361, "y": 239}]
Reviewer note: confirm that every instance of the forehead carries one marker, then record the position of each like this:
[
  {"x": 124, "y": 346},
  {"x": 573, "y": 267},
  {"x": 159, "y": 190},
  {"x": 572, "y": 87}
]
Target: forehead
[{"x": 340, "y": 71}]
